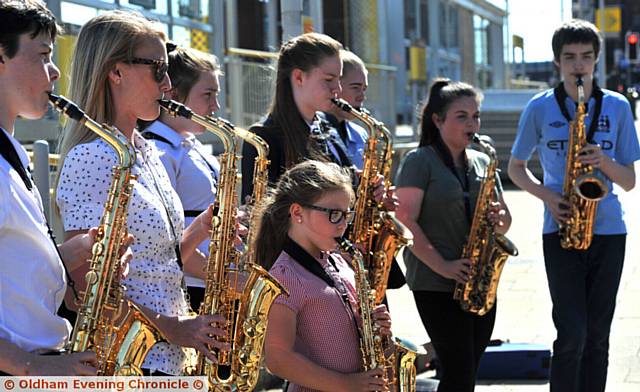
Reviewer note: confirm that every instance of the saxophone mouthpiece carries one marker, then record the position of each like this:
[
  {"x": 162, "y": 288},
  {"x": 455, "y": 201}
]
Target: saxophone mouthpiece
[
  {"x": 175, "y": 108},
  {"x": 65, "y": 106},
  {"x": 342, "y": 104},
  {"x": 579, "y": 80}
]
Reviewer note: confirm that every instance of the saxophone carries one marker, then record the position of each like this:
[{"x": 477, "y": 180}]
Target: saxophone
[
  {"x": 260, "y": 183},
  {"x": 377, "y": 230},
  {"x": 397, "y": 358},
  {"x": 371, "y": 344},
  {"x": 582, "y": 188},
  {"x": 107, "y": 323},
  {"x": 487, "y": 250},
  {"x": 240, "y": 291}
]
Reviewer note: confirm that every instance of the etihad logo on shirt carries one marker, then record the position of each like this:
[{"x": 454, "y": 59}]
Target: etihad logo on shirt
[
  {"x": 557, "y": 124},
  {"x": 561, "y": 144}
]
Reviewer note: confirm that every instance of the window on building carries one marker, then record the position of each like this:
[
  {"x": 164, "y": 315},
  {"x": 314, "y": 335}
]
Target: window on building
[
  {"x": 410, "y": 20},
  {"x": 448, "y": 25},
  {"x": 416, "y": 25},
  {"x": 158, "y": 6},
  {"x": 335, "y": 13},
  {"x": 424, "y": 20},
  {"x": 192, "y": 9},
  {"x": 481, "y": 51}
]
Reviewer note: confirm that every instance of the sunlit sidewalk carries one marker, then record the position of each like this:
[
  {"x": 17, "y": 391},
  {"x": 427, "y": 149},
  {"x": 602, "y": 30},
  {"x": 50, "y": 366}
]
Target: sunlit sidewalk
[{"x": 524, "y": 305}]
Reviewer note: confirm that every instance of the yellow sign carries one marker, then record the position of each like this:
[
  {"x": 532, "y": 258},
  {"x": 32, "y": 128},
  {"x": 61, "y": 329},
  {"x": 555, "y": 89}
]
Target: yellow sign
[
  {"x": 612, "y": 19},
  {"x": 64, "y": 48},
  {"x": 418, "y": 63},
  {"x": 518, "y": 41}
]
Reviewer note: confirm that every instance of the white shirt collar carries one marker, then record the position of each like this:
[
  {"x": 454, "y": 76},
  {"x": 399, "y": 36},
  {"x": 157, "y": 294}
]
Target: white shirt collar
[{"x": 162, "y": 129}]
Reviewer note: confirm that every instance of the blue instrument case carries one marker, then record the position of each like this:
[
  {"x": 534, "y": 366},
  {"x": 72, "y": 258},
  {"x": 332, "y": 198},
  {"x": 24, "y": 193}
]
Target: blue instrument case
[{"x": 504, "y": 360}]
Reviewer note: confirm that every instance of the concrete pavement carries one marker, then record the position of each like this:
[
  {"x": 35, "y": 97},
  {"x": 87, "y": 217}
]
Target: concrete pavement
[{"x": 524, "y": 307}]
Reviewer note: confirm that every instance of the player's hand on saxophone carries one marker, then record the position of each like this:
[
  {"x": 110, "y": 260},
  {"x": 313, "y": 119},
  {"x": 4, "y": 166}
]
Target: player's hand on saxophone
[
  {"x": 199, "y": 332},
  {"x": 558, "y": 206},
  {"x": 458, "y": 270},
  {"x": 372, "y": 380},
  {"x": 592, "y": 154},
  {"x": 382, "y": 320}
]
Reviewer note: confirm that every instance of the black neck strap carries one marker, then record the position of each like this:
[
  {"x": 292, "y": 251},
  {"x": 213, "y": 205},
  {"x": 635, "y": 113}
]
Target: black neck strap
[
  {"x": 561, "y": 97},
  {"x": 309, "y": 263},
  {"x": 10, "y": 154}
]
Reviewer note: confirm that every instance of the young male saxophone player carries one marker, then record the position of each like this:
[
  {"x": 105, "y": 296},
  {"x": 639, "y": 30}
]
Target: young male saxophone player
[
  {"x": 32, "y": 275},
  {"x": 583, "y": 283}
]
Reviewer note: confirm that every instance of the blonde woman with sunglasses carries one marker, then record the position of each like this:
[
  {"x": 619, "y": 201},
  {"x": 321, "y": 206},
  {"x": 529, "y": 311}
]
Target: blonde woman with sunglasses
[{"x": 119, "y": 71}]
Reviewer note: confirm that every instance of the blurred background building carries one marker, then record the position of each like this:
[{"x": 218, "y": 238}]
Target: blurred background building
[{"x": 405, "y": 43}]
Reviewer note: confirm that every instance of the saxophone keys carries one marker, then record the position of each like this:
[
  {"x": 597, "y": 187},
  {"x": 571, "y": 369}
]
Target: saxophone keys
[
  {"x": 253, "y": 327},
  {"x": 91, "y": 277},
  {"x": 98, "y": 248}
]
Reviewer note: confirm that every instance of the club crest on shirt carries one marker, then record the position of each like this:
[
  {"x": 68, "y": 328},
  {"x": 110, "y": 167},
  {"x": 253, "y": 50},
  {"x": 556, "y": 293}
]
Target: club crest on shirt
[
  {"x": 604, "y": 125},
  {"x": 557, "y": 124}
]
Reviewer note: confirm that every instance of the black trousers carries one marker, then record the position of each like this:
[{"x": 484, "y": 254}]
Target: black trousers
[
  {"x": 458, "y": 337},
  {"x": 583, "y": 287}
]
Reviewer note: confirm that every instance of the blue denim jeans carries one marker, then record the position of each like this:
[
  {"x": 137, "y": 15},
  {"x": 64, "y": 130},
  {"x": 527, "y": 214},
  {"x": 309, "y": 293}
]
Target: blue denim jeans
[{"x": 583, "y": 287}]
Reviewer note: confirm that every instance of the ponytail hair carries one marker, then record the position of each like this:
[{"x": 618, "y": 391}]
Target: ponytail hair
[
  {"x": 304, "y": 52},
  {"x": 442, "y": 94},
  {"x": 304, "y": 183}
]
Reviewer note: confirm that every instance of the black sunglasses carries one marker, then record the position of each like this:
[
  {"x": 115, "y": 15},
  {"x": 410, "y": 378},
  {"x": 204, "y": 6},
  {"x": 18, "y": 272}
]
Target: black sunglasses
[
  {"x": 161, "y": 67},
  {"x": 335, "y": 216}
]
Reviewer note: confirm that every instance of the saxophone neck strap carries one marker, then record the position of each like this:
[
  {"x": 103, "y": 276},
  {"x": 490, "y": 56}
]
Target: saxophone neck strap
[
  {"x": 561, "y": 97},
  {"x": 10, "y": 154},
  {"x": 309, "y": 263}
]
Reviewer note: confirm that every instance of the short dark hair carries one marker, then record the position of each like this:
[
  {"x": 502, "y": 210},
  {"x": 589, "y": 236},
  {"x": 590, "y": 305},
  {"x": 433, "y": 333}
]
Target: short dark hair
[
  {"x": 21, "y": 17},
  {"x": 575, "y": 31}
]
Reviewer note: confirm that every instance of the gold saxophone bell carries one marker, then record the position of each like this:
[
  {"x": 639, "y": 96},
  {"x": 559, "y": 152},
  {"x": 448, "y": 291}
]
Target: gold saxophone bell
[{"x": 591, "y": 187}]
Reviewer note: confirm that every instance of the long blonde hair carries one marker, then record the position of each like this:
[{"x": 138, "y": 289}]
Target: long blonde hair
[{"x": 103, "y": 42}]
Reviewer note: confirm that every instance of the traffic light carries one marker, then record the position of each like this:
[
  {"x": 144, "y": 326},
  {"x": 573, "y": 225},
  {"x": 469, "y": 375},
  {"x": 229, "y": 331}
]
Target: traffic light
[{"x": 631, "y": 46}]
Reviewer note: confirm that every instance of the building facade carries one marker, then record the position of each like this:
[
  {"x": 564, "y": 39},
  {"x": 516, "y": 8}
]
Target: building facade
[{"x": 405, "y": 43}]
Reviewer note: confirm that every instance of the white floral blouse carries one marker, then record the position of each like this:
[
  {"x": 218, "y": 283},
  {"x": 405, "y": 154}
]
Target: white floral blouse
[{"x": 155, "y": 279}]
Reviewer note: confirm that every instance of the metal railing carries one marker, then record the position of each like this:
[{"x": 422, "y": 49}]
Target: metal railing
[{"x": 251, "y": 84}]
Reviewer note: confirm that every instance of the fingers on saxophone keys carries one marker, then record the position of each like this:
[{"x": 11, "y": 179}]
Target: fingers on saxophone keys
[
  {"x": 207, "y": 352},
  {"x": 214, "y": 342}
]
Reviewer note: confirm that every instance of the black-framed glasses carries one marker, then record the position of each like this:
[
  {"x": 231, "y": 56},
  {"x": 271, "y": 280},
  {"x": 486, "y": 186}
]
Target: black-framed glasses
[
  {"x": 160, "y": 67},
  {"x": 335, "y": 216}
]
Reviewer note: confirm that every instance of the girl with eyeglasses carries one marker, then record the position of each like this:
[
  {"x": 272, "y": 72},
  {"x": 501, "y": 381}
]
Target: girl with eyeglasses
[
  {"x": 312, "y": 338},
  {"x": 119, "y": 71}
]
